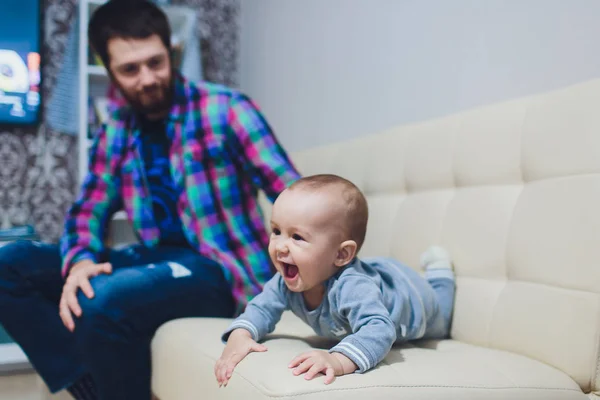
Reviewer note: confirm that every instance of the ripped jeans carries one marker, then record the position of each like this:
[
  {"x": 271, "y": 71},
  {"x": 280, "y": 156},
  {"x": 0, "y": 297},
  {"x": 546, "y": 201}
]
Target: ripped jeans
[{"x": 111, "y": 341}]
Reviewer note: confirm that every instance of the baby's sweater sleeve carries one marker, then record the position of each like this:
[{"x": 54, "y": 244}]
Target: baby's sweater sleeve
[
  {"x": 262, "y": 312},
  {"x": 359, "y": 301}
]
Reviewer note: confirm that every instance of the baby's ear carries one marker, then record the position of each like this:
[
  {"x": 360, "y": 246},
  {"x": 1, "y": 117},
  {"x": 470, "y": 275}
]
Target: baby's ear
[{"x": 346, "y": 253}]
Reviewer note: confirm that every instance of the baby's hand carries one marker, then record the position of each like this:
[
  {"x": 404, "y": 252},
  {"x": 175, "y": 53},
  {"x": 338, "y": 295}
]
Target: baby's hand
[
  {"x": 331, "y": 364},
  {"x": 239, "y": 345}
]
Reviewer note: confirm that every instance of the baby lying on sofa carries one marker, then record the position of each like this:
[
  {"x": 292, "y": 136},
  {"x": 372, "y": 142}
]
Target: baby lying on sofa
[{"x": 318, "y": 226}]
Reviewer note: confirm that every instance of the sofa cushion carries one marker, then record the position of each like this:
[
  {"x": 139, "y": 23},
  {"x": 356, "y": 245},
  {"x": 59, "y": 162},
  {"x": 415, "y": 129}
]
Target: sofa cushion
[{"x": 184, "y": 353}]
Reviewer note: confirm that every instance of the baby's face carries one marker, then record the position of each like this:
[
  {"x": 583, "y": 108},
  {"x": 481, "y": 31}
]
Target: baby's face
[{"x": 305, "y": 238}]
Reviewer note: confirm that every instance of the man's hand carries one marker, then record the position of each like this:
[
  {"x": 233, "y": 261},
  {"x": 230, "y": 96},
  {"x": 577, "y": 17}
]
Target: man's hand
[
  {"x": 79, "y": 278},
  {"x": 331, "y": 364},
  {"x": 239, "y": 345}
]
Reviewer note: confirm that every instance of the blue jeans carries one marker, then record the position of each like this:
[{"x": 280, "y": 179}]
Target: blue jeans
[{"x": 111, "y": 341}]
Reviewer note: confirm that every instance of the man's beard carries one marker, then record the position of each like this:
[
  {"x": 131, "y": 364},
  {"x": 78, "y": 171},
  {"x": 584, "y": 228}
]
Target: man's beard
[{"x": 152, "y": 100}]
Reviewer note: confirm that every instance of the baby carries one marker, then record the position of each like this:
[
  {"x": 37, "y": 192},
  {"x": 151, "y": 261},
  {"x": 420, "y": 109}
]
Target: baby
[{"x": 318, "y": 226}]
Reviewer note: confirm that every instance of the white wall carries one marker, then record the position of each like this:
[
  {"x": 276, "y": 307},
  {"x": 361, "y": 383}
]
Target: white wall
[{"x": 323, "y": 70}]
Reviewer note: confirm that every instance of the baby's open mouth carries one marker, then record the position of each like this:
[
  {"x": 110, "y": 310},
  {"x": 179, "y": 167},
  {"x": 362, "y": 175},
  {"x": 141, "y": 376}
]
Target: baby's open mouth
[{"x": 289, "y": 270}]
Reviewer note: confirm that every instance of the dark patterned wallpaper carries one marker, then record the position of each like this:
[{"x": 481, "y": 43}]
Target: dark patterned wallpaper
[
  {"x": 218, "y": 30},
  {"x": 38, "y": 166}
]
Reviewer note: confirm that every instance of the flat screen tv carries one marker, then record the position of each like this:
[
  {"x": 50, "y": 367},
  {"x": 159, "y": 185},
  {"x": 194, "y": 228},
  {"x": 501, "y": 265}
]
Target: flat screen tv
[{"x": 20, "y": 62}]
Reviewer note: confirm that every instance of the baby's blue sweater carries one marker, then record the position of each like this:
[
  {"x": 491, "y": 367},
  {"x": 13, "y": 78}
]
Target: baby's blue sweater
[{"x": 368, "y": 305}]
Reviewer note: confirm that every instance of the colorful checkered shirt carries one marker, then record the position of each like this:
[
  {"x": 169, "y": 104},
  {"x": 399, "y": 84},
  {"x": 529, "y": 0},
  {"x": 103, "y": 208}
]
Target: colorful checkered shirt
[{"x": 222, "y": 153}]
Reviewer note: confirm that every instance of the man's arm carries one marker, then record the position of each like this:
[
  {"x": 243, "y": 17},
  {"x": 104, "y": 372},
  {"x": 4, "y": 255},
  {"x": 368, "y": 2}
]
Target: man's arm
[
  {"x": 262, "y": 157},
  {"x": 85, "y": 223}
]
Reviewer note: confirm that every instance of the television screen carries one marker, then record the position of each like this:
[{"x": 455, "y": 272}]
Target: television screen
[{"x": 20, "y": 66}]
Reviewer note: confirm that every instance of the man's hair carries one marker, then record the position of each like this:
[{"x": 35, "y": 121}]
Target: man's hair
[
  {"x": 357, "y": 210},
  {"x": 126, "y": 19}
]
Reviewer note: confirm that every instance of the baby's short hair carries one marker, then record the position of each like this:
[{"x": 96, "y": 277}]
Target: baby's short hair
[{"x": 357, "y": 210}]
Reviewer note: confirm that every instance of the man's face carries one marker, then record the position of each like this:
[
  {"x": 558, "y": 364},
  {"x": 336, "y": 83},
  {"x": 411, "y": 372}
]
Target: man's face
[{"x": 141, "y": 68}]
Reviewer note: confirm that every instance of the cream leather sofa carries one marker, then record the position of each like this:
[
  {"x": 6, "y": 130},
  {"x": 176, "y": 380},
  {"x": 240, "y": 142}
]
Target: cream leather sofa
[{"x": 513, "y": 192}]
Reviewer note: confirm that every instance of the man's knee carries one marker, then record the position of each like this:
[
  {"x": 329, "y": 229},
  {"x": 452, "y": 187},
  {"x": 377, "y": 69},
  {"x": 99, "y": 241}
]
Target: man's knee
[
  {"x": 15, "y": 257},
  {"x": 14, "y": 252},
  {"x": 99, "y": 313}
]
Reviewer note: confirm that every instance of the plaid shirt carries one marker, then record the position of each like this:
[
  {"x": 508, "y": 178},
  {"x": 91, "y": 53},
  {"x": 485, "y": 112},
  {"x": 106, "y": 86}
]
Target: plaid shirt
[{"x": 222, "y": 152}]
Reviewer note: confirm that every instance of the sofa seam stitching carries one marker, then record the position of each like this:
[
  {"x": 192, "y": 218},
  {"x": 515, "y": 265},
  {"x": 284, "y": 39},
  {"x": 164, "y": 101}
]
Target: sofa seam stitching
[{"x": 412, "y": 386}]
